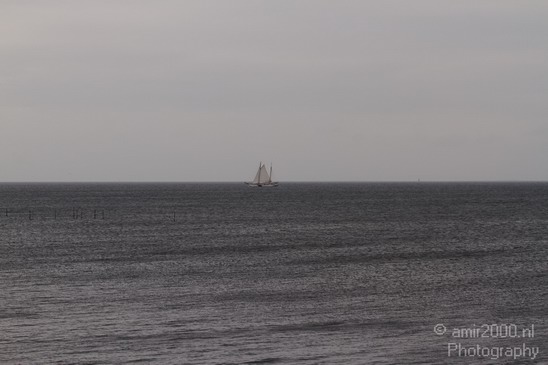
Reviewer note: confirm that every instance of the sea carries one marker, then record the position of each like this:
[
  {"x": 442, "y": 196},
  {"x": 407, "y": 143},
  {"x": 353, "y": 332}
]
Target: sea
[{"x": 305, "y": 273}]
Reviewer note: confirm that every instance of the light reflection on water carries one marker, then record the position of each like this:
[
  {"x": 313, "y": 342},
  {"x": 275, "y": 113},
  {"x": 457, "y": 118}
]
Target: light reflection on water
[{"x": 301, "y": 274}]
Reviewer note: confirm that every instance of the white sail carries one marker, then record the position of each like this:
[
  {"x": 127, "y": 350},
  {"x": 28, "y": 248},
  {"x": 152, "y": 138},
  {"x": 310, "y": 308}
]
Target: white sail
[
  {"x": 262, "y": 178},
  {"x": 265, "y": 178}
]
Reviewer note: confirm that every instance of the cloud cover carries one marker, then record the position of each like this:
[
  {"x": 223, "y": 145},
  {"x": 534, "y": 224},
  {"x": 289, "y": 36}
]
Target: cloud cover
[{"x": 202, "y": 90}]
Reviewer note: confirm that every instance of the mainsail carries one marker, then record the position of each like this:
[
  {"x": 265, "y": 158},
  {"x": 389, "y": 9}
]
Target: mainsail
[{"x": 262, "y": 176}]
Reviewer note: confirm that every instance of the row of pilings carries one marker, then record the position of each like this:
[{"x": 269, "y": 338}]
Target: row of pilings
[{"x": 73, "y": 214}]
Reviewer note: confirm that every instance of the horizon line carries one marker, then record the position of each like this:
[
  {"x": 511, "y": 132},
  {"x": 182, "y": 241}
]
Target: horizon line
[{"x": 241, "y": 182}]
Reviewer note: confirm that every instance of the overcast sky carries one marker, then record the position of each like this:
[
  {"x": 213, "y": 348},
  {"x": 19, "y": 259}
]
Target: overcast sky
[{"x": 135, "y": 90}]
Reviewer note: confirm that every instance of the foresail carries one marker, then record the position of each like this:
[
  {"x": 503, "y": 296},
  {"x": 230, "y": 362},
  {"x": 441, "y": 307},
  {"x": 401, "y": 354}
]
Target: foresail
[{"x": 256, "y": 179}]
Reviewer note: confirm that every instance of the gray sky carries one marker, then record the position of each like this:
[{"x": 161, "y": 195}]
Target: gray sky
[{"x": 134, "y": 90}]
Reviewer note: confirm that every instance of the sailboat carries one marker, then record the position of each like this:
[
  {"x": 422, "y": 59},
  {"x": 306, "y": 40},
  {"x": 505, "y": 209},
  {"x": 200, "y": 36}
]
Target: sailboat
[{"x": 263, "y": 178}]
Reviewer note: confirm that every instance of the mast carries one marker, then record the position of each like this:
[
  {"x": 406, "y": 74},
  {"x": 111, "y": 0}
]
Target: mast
[
  {"x": 259, "y": 179},
  {"x": 270, "y": 178}
]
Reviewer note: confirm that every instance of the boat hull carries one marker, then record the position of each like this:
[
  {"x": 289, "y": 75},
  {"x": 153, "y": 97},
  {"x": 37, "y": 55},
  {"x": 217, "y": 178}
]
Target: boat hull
[{"x": 270, "y": 185}]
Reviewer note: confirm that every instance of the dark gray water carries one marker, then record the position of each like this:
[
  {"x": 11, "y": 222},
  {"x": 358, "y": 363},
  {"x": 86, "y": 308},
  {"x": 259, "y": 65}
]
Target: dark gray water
[{"x": 300, "y": 274}]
